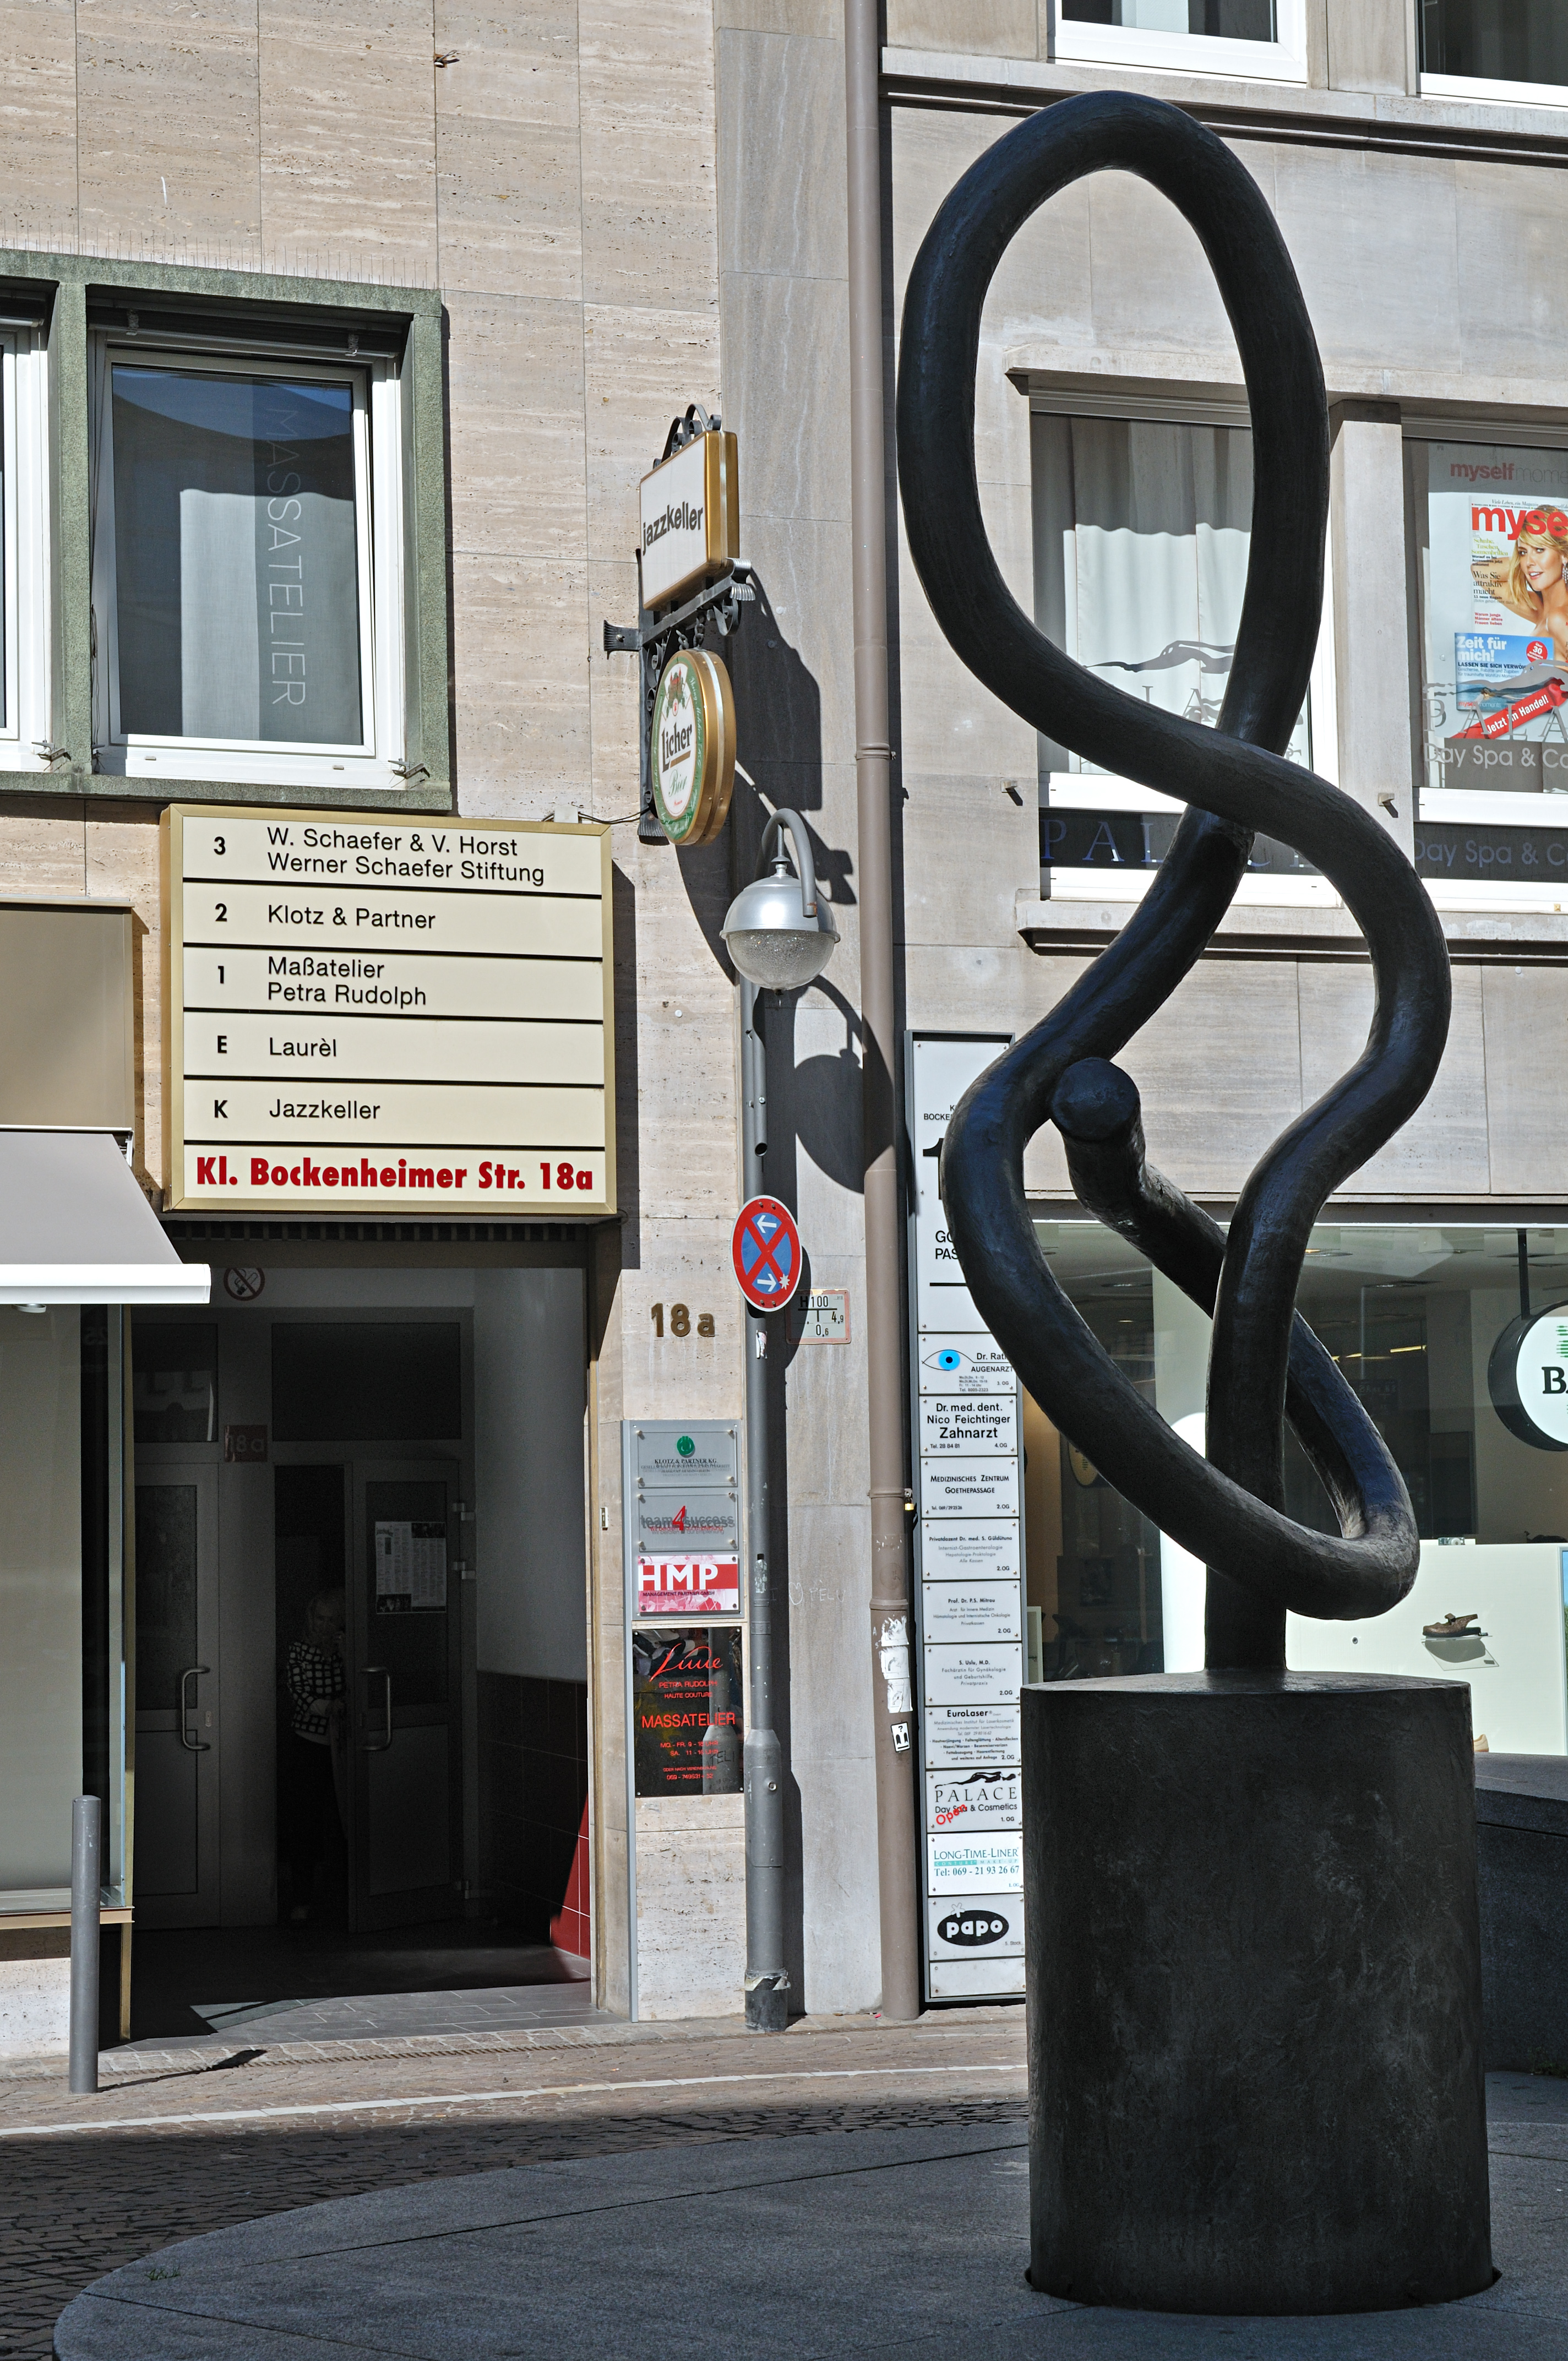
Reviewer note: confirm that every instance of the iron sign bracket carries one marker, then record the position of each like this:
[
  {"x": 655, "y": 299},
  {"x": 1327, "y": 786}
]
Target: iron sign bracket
[{"x": 655, "y": 637}]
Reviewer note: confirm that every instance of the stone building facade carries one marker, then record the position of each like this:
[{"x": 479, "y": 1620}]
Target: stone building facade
[{"x": 560, "y": 229}]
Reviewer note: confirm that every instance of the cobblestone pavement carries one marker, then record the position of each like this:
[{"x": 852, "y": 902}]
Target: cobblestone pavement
[{"x": 179, "y": 2147}]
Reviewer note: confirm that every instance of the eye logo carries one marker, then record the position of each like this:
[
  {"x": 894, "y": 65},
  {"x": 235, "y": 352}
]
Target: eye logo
[{"x": 948, "y": 1360}]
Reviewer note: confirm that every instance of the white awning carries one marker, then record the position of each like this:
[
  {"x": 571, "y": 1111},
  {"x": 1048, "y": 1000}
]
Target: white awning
[{"x": 75, "y": 1228}]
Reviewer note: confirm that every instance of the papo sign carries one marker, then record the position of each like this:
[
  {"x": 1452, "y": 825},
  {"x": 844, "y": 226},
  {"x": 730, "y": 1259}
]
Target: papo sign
[{"x": 365, "y": 1017}]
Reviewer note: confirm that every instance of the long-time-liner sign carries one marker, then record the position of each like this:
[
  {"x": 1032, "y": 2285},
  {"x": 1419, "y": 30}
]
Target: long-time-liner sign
[{"x": 365, "y": 1016}]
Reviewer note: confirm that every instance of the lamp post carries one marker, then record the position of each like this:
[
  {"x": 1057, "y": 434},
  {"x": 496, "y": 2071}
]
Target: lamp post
[{"x": 779, "y": 937}]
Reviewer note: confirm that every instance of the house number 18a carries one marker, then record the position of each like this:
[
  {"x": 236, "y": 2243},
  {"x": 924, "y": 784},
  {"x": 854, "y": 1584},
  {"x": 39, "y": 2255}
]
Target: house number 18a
[{"x": 681, "y": 1320}]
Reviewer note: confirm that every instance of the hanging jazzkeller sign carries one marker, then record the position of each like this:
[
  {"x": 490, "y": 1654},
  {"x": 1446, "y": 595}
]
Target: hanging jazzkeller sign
[
  {"x": 690, "y": 578},
  {"x": 689, "y": 514}
]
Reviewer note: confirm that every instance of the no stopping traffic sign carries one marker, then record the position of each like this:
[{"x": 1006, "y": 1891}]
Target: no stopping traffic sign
[{"x": 765, "y": 1249}]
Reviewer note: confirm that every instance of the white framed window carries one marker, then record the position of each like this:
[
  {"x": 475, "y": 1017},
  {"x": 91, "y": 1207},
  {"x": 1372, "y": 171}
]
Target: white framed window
[
  {"x": 247, "y": 566},
  {"x": 1258, "y": 40},
  {"x": 1142, "y": 531},
  {"x": 25, "y": 743},
  {"x": 1509, "y": 52}
]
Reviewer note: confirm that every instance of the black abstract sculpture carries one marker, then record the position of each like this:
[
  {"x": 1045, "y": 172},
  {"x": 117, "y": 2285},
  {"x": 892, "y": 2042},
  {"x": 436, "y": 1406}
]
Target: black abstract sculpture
[
  {"x": 1229, "y": 1510},
  {"x": 1252, "y": 1945}
]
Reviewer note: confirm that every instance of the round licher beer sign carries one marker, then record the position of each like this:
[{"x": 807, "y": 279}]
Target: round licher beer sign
[{"x": 693, "y": 751}]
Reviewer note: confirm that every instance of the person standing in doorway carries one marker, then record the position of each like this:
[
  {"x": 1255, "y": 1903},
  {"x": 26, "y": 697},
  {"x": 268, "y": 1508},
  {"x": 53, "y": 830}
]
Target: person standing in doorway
[{"x": 313, "y": 1675}]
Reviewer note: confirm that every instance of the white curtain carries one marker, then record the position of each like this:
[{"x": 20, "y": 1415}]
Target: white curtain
[{"x": 1141, "y": 537}]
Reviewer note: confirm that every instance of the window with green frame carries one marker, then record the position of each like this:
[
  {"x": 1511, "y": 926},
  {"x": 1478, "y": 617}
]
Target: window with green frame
[{"x": 242, "y": 531}]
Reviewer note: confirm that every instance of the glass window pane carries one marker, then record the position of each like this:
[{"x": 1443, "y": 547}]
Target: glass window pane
[
  {"x": 174, "y": 1388},
  {"x": 1142, "y": 531},
  {"x": 1496, "y": 41},
  {"x": 40, "y": 1595},
  {"x": 1226, "y": 20},
  {"x": 235, "y": 557},
  {"x": 166, "y": 1592},
  {"x": 386, "y": 1383},
  {"x": 1492, "y": 547}
]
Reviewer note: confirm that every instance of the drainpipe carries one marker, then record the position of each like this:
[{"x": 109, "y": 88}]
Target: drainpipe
[{"x": 892, "y": 1696}]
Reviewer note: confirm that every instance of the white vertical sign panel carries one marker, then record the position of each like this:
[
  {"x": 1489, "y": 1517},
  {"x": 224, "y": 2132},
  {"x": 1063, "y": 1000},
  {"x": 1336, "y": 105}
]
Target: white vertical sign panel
[{"x": 969, "y": 1456}]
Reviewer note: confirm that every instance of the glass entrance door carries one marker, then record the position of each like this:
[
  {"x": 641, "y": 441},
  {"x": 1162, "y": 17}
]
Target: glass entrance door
[
  {"x": 402, "y": 1645},
  {"x": 177, "y": 1715}
]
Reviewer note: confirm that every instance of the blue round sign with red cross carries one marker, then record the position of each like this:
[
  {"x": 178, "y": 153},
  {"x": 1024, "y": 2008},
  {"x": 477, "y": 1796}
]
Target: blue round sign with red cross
[{"x": 766, "y": 1252}]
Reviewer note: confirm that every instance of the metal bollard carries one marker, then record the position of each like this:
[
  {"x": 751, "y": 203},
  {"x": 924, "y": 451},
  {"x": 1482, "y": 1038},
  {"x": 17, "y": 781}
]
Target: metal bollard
[{"x": 86, "y": 1813}]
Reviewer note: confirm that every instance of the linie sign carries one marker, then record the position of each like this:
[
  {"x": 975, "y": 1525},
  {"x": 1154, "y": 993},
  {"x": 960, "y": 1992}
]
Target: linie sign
[
  {"x": 366, "y": 1018},
  {"x": 690, "y": 518}
]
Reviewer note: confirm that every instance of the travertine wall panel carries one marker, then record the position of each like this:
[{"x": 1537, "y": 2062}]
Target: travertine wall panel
[
  {"x": 1370, "y": 235},
  {"x": 37, "y": 123},
  {"x": 42, "y": 851},
  {"x": 968, "y": 847},
  {"x": 518, "y": 442},
  {"x": 509, "y": 152},
  {"x": 1151, "y": 283},
  {"x": 1368, "y": 44},
  {"x": 781, "y": 151},
  {"x": 819, "y": 20},
  {"x": 996, "y": 29},
  {"x": 347, "y": 146},
  {"x": 649, "y": 232},
  {"x": 1505, "y": 294},
  {"x": 691, "y": 1905},
  {"x": 523, "y": 726},
  {"x": 1442, "y": 1151},
  {"x": 1218, "y": 1087},
  {"x": 168, "y": 116},
  {"x": 121, "y": 861},
  {"x": 802, "y": 563},
  {"x": 686, "y": 1259},
  {"x": 795, "y": 453},
  {"x": 1526, "y": 1021},
  {"x": 642, "y": 365}
]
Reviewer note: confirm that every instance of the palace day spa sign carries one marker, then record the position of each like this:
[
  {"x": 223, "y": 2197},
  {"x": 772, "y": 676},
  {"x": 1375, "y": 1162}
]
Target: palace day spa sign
[{"x": 366, "y": 1018}]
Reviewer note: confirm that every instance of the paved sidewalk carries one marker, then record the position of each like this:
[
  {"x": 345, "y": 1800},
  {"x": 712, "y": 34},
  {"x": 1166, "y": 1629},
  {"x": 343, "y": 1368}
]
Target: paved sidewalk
[
  {"x": 870, "y": 2242},
  {"x": 184, "y": 2144}
]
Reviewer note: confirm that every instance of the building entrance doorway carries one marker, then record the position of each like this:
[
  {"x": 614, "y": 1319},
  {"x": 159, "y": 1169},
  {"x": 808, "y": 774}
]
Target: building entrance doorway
[
  {"x": 361, "y": 1623},
  {"x": 370, "y": 1725}
]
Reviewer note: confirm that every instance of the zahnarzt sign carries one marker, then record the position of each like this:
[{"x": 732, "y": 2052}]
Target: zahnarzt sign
[{"x": 364, "y": 1017}]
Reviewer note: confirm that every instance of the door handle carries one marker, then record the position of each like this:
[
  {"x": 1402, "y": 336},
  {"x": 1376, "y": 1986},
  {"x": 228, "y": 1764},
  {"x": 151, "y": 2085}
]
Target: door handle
[
  {"x": 379, "y": 1745},
  {"x": 191, "y": 1745}
]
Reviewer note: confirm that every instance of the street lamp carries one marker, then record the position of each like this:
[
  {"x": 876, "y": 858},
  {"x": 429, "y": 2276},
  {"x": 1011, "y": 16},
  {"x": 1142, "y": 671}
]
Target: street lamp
[{"x": 779, "y": 936}]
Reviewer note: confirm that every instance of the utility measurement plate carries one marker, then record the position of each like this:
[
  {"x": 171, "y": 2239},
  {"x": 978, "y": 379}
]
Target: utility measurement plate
[{"x": 766, "y": 1253}]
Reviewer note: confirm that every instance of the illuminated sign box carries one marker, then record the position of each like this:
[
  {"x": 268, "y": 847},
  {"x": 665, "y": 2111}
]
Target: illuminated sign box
[
  {"x": 367, "y": 1018},
  {"x": 690, "y": 518}
]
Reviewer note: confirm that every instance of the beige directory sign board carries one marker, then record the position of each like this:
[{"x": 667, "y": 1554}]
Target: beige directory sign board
[{"x": 365, "y": 1016}]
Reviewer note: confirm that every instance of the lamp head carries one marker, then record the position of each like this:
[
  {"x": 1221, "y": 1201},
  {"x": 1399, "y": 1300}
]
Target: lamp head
[
  {"x": 779, "y": 930},
  {"x": 772, "y": 940}
]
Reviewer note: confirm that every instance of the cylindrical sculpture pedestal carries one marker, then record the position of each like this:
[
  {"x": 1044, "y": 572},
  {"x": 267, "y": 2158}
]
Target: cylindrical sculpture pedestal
[{"x": 1254, "y": 1994}]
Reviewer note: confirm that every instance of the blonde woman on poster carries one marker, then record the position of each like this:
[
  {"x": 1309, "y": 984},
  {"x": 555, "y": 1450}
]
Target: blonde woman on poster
[{"x": 1534, "y": 582}]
